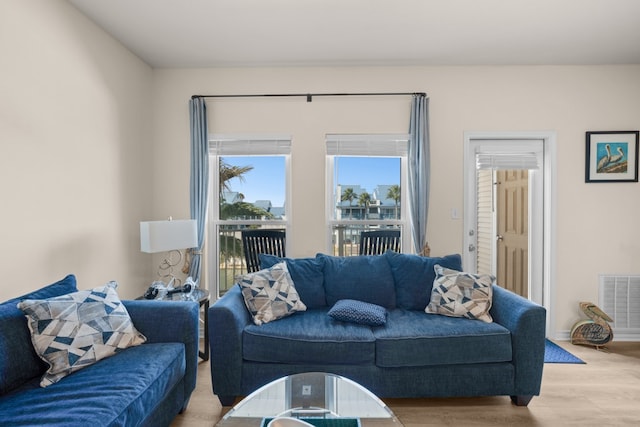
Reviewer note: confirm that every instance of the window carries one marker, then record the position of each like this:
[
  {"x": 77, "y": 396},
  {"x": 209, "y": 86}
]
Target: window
[
  {"x": 249, "y": 190},
  {"x": 366, "y": 188}
]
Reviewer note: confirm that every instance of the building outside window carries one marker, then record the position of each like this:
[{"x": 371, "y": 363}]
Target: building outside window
[
  {"x": 366, "y": 188},
  {"x": 250, "y": 184}
]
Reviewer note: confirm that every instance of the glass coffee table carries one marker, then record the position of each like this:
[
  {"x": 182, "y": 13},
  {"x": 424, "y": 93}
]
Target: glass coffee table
[{"x": 318, "y": 398}]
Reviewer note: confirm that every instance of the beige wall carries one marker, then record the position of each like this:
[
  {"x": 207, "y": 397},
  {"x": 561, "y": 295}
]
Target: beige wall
[
  {"x": 93, "y": 141},
  {"x": 597, "y": 230},
  {"x": 75, "y": 133}
]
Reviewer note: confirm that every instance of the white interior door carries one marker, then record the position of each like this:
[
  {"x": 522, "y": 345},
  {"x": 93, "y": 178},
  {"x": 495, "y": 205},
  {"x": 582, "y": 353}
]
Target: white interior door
[{"x": 540, "y": 212}]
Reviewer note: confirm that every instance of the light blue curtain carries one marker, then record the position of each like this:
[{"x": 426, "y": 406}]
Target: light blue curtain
[
  {"x": 419, "y": 164},
  {"x": 199, "y": 188}
]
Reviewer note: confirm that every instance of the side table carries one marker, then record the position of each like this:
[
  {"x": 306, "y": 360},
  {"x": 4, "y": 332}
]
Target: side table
[{"x": 202, "y": 296}]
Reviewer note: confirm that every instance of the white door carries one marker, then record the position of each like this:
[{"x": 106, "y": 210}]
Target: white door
[{"x": 496, "y": 147}]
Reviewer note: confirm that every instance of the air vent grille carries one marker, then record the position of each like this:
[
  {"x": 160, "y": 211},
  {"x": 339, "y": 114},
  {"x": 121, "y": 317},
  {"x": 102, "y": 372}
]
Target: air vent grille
[{"x": 620, "y": 299}]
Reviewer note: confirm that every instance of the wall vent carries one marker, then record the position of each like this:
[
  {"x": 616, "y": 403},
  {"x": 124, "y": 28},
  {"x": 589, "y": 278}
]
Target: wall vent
[{"x": 620, "y": 299}]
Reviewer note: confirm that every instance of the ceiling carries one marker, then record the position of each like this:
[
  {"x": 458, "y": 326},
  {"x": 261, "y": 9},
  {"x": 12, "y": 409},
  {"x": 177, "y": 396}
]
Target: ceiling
[{"x": 224, "y": 33}]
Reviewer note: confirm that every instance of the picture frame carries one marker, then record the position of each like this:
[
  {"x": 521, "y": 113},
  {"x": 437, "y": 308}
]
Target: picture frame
[{"x": 611, "y": 156}]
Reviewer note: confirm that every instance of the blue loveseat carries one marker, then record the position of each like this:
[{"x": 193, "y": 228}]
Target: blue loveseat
[
  {"x": 414, "y": 354},
  {"x": 145, "y": 385}
]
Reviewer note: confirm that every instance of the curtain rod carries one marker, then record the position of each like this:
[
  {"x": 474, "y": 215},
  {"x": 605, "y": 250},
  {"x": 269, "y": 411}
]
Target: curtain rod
[{"x": 310, "y": 96}]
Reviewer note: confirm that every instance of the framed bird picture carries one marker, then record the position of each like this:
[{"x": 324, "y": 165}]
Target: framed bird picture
[{"x": 612, "y": 156}]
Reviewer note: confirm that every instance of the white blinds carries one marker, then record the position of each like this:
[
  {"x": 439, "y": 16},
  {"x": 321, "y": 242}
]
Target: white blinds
[
  {"x": 238, "y": 145},
  {"x": 507, "y": 161},
  {"x": 380, "y": 145}
]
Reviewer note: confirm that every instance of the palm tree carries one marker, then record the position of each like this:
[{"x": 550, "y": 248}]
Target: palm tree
[
  {"x": 238, "y": 209},
  {"x": 364, "y": 200},
  {"x": 230, "y": 247},
  {"x": 394, "y": 194},
  {"x": 226, "y": 173},
  {"x": 349, "y": 195}
]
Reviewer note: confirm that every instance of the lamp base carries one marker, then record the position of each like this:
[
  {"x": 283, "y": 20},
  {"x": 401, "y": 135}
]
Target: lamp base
[{"x": 165, "y": 269}]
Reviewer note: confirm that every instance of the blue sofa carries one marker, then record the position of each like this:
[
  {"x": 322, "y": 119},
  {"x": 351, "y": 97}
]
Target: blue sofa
[
  {"x": 414, "y": 354},
  {"x": 145, "y": 385}
]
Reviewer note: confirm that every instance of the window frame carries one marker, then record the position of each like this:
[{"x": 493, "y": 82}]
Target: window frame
[
  {"x": 246, "y": 145},
  {"x": 367, "y": 145}
]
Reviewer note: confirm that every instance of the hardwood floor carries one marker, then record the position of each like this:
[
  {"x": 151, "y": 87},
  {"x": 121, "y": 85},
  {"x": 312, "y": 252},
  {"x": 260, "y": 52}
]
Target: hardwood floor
[{"x": 603, "y": 392}]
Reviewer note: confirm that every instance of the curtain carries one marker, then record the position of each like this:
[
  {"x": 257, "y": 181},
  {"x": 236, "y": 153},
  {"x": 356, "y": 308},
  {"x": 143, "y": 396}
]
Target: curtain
[
  {"x": 199, "y": 178},
  {"x": 418, "y": 171}
]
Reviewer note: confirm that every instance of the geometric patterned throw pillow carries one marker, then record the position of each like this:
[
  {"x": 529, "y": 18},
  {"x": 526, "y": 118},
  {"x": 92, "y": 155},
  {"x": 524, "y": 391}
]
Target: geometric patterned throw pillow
[
  {"x": 458, "y": 294},
  {"x": 73, "y": 331},
  {"x": 270, "y": 294}
]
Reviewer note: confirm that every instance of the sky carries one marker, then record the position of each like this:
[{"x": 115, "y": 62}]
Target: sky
[
  {"x": 266, "y": 181},
  {"x": 368, "y": 172}
]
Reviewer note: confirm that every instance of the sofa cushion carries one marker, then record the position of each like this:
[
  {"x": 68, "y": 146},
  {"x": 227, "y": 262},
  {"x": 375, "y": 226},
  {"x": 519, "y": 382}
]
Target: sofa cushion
[
  {"x": 61, "y": 287},
  {"x": 73, "y": 331},
  {"x": 18, "y": 359},
  {"x": 309, "y": 338},
  {"x": 117, "y": 391},
  {"x": 349, "y": 310},
  {"x": 414, "y": 338},
  {"x": 270, "y": 294},
  {"x": 306, "y": 274},
  {"x": 459, "y": 294},
  {"x": 414, "y": 275},
  {"x": 365, "y": 278}
]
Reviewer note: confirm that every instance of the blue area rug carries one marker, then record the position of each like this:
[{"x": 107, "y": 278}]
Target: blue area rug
[{"x": 553, "y": 353}]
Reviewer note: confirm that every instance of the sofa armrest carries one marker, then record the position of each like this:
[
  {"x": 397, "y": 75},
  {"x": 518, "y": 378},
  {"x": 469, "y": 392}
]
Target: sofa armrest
[
  {"x": 228, "y": 317},
  {"x": 527, "y": 322},
  {"x": 170, "y": 321}
]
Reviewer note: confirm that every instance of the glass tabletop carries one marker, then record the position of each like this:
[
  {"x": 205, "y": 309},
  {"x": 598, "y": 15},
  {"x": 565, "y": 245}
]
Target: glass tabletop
[
  {"x": 195, "y": 295},
  {"x": 309, "y": 396}
]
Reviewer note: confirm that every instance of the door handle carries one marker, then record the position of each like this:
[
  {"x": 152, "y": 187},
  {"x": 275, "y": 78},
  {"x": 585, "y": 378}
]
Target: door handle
[{"x": 499, "y": 238}]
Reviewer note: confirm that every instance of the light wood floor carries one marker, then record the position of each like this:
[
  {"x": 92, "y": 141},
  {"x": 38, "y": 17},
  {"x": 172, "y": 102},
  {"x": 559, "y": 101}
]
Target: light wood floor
[{"x": 603, "y": 392}]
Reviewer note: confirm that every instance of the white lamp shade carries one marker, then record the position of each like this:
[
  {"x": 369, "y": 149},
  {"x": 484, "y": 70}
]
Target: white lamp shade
[{"x": 161, "y": 236}]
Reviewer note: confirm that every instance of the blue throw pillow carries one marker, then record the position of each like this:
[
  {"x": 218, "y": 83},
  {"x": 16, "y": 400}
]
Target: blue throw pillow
[
  {"x": 307, "y": 277},
  {"x": 365, "y": 278},
  {"x": 414, "y": 276},
  {"x": 364, "y": 313}
]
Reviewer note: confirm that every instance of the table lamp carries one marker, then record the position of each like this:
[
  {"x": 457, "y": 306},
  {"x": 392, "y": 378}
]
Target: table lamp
[{"x": 168, "y": 236}]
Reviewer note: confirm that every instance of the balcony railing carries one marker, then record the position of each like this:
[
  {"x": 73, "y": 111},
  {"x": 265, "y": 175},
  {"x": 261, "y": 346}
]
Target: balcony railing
[
  {"x": 345, "y": 238},
  {"x": 345, "y": 241},
  {"x": 231, "y": 256}
]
